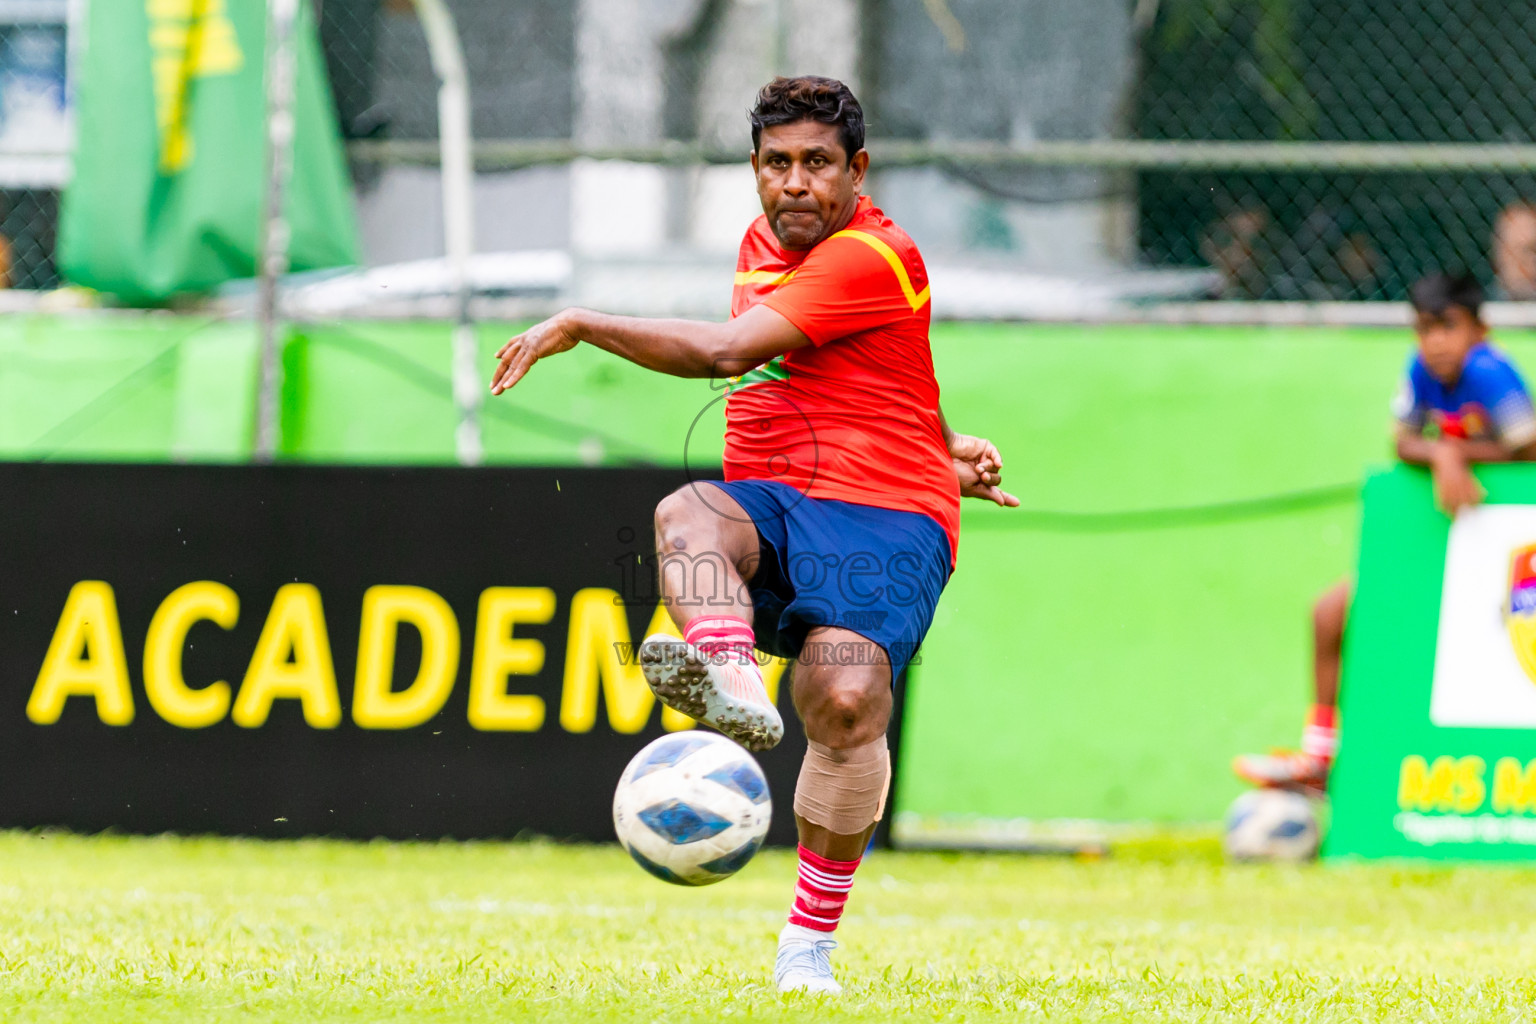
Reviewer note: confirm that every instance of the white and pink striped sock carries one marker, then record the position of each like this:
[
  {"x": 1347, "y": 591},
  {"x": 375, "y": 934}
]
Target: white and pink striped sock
[
  {"x": 721, "y": 636},
  {"x": 727, "y": 640},
  {"x": 821, "y": 891}
]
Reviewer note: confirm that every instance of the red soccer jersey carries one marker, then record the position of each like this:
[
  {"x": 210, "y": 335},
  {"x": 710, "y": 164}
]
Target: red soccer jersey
[{"x": 854, "y": 416}]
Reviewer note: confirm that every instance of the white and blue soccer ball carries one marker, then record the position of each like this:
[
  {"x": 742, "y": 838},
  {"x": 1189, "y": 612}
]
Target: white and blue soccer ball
[
  {"x": 1272, "y": 824},
  {"x": 692, "y": 808}
]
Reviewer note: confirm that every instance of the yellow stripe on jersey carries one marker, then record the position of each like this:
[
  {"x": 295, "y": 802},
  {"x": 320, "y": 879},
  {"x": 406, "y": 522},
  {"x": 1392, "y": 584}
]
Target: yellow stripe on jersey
[
  {"x": 915, "y": 300},
  {"x": 763, "y": 276}
]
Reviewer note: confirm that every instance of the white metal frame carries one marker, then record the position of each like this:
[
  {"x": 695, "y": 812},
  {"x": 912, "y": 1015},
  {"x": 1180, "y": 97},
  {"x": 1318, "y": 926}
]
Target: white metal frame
[
  {"x": 454, "y": 146},
  {"x": 455, "y": 156},
  {"x": 272, "y": 250}
]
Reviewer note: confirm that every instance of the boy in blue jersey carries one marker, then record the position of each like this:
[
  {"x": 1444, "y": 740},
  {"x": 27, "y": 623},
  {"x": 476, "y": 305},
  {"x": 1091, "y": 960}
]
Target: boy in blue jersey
[{"x": 1462, "y": 402}]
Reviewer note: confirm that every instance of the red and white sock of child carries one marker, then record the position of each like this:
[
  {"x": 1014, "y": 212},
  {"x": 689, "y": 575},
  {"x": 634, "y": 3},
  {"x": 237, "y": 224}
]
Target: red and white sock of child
[{"x": 1321, "y": 736}]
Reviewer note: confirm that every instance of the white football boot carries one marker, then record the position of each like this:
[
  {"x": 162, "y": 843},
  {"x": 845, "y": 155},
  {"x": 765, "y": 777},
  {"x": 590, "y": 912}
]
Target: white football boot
[
  {"x": 724, "y": 692},
  {"x": 804, "y": 963}
]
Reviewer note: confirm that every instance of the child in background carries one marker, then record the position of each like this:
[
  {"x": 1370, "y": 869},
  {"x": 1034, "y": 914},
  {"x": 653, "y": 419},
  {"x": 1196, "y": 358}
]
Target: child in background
[{"x": 1462, "y": 402}]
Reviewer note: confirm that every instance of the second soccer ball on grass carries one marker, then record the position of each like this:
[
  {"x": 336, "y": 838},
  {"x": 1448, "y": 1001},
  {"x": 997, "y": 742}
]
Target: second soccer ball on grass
[{"x": 1272, "y": 824}]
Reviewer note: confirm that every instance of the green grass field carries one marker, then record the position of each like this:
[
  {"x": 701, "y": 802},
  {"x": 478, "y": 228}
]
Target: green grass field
[{"x": 164, "y": 929}]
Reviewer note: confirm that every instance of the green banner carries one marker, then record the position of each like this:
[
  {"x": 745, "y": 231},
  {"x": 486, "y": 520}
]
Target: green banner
[
  {"x": 1099, "y": 661},
  {"x": 1438, "y": 759},
  {"x": 169, "y": 167}
]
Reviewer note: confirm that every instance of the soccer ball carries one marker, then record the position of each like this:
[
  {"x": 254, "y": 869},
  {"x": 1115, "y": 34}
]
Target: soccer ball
[
  {"x": 1271, "y": 824},
  {"x": 692, "y": 808}
]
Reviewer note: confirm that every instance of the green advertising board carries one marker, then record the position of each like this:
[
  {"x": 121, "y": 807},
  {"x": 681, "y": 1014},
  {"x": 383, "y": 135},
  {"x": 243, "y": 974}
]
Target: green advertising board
[
  {"x": 1099, "y": 656},
  {"x": 1438, "y": 759}
]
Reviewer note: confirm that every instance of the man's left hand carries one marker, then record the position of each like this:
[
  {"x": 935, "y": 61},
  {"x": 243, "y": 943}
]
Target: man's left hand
[{"x": 979, "y": 468}]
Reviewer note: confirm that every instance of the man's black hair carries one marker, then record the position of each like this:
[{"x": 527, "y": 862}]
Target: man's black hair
[
  {"x": 808, "y": 97},
  {"x": 1438, "y": 292}
]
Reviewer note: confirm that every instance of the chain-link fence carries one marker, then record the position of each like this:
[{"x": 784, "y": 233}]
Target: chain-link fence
[
  {"x": 1441, "y": 72},
  {"x": 34, "y": 138},
  {"x": 28, "y": 217},
  {"x": 1277, "y": 85},
  {"x": 1292, "y": 224}
]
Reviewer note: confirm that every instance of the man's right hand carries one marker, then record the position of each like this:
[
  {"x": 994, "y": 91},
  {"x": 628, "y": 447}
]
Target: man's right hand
[
  {"x": 1455, "y": 486},
  {"x": 552, "y": 336}
]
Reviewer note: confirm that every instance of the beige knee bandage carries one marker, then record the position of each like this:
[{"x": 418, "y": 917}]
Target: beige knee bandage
[{"x": 843, "y": 791}]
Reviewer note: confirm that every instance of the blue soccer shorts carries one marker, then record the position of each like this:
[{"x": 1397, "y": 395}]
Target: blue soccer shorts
[{"x": 875, "y": 571}]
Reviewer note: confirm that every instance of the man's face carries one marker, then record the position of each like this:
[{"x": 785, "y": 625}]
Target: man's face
[
  {"x": 1445, "y": 339},
  {"x": 1514, "y": 253},
  {"x": 806, "y": 182}
]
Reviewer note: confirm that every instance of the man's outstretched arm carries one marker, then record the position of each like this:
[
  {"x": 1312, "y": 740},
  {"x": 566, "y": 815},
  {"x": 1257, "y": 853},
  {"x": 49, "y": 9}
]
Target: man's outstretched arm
[{"x": 682, "y": 348}]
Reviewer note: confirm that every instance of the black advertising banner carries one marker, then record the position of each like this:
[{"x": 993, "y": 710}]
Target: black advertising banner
[{"x": 287, "y": 651}]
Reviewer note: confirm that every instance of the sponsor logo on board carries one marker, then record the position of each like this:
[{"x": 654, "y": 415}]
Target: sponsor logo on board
[{"x": 1485, "y": 653}]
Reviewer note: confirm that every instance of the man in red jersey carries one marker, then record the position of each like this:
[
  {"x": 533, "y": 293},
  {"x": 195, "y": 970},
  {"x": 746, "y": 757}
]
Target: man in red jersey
[{"x": 838, "y": 522}]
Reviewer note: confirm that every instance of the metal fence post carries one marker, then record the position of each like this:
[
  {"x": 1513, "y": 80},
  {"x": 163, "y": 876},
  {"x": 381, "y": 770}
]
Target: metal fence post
[
  {"x": 272, "y": 262},
  {"x": 458, "y": 216}
]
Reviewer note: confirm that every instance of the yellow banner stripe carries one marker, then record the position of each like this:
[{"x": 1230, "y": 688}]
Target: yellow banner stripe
[{"x": 914, "y": 299}]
